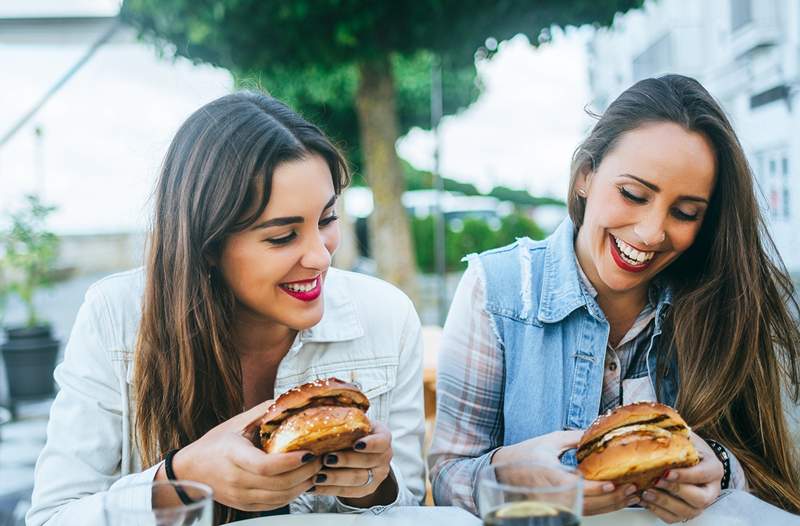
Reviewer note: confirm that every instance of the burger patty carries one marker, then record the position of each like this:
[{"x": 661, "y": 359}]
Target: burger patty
[{"x": 588, "y": 447}]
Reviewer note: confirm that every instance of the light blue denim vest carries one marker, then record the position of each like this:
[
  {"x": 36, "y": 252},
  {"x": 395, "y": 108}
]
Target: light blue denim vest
[{"x": 553, "y": 336}]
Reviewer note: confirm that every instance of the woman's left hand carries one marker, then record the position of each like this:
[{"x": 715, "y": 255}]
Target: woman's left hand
[
  {"x": 360, "y": 476},
  {"x": 684, "y": 493}
]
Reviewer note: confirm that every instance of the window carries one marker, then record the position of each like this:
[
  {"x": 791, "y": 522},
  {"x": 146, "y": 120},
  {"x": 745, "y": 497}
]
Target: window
[
  {"x": 741, "y": 13},
  {"x": 773, "y": 176}
]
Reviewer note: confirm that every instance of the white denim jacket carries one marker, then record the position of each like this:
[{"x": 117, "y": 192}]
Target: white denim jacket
[{"x": 369, "y": 333}]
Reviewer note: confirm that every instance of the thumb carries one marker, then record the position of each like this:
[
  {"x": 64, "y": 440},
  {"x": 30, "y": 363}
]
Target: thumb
[
  {"x": 564, "y": 440},
  {"x": 248, "y": 420}
]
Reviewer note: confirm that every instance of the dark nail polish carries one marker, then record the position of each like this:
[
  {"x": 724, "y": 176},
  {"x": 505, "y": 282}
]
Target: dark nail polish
[
  {"x": 331, "y": 459},
  {"x": 308, "y": 457},
  {"x": 359, "y": 445},
  {"x": 320, "y": 478},
  {"x": 312, "y": 489}
]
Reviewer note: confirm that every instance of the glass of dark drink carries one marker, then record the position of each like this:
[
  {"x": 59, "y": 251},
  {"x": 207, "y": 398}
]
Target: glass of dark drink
[{"x": 530, "y": 494}]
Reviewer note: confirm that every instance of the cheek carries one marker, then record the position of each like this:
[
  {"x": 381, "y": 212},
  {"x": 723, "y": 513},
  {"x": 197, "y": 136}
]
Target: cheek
[
  {"x": 682, "y": 237},
  {"x": 332, "y": 237}
]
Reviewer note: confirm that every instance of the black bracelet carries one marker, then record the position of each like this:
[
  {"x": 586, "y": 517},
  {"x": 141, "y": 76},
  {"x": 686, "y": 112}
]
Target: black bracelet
[
  {"x": 185, "y": 498},
  {"x": 722, "y": 456}
]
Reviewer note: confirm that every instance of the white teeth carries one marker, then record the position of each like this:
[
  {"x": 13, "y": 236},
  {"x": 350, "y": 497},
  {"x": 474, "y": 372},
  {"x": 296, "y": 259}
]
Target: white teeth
[
  {"x": 299, "y": 287},
  {"x": 631, "y": 254}
]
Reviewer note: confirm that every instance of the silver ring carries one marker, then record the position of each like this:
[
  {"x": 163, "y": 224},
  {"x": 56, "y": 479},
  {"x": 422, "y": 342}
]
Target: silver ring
[{"x": 369, "y": 478}]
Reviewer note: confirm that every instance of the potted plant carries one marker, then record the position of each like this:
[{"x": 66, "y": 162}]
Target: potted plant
[{"x": 27, "y": 255}]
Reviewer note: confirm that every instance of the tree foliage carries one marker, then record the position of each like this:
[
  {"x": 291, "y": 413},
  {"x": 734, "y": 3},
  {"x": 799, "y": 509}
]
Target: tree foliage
[{"x": 305, "y": 51}]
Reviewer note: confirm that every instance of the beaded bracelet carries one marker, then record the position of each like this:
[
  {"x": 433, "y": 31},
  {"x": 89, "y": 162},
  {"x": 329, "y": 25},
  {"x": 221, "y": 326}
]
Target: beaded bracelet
[{"x": 722, "y": 456}]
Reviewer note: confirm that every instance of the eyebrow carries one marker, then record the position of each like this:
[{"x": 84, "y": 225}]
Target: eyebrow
[
  {"x": 655, "y": 188},
  {"x": 290, "y": 220}
]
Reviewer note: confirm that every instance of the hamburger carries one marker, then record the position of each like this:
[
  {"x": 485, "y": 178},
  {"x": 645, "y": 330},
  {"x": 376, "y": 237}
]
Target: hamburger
[
  {"x": 636, "y": 443},
  {"x": 320, "y": 417}
]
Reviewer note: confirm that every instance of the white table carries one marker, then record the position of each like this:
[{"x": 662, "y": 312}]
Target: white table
[{"x": 734, "y": 508}]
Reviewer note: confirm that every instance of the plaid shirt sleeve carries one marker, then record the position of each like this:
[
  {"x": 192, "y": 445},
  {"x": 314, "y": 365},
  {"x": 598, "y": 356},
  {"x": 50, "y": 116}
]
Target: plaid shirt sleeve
[{"x": 469, "y": 396}]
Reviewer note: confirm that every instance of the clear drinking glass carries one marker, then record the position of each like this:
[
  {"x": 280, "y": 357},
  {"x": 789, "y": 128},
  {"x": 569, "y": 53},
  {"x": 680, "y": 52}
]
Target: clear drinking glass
[
  {"x": 123, "y": 506},
  {"x": 530, "y": 494}
]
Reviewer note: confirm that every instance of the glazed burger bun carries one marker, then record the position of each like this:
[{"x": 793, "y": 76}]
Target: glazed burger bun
[
  {"x": 636, "y": 443},
  {"x": 320, "y": 417}
]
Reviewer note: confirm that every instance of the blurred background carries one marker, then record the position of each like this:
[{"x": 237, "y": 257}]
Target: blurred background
[{"x": 481, "y": 106}]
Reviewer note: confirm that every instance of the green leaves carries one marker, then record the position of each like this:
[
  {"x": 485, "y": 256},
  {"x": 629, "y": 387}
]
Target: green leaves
[{"x": 27, "y": 254}]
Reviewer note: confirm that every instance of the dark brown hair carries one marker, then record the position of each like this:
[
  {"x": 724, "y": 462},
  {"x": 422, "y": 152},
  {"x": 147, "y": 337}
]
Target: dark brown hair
[
  {"x": 731, "y": 327},
  {"x": 215, "y": 180}
]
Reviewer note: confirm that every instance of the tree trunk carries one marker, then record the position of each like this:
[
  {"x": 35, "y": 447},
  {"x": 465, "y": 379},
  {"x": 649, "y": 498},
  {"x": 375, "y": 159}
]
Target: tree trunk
[{"x": 389, "y": 232}]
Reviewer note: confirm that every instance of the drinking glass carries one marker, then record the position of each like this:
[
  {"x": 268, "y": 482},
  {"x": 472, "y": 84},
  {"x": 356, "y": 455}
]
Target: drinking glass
[
  {"x": 530, "y": 494},
  {"x": 129, "y": 506}
]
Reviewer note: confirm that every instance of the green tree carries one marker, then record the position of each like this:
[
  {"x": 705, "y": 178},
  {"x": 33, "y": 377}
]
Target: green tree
[{"x": 358, "y": 49}]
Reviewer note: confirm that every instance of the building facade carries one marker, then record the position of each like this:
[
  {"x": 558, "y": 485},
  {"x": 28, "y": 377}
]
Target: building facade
[{"x": 747, "y": 54}]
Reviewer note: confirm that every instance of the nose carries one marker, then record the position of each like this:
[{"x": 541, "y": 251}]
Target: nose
[
  {"x": 316, "y": 255},
  {"x": 650, "y": 230}
]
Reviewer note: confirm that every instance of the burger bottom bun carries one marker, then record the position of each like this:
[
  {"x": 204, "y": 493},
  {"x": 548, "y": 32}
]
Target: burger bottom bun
[
  {"x": 320, "y": 430},
  {"x": 639, "y": 458}
]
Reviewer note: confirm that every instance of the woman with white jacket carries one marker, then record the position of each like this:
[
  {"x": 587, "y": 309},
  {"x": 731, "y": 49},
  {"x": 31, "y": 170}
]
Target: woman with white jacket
[{"x": 237, "y": 303}]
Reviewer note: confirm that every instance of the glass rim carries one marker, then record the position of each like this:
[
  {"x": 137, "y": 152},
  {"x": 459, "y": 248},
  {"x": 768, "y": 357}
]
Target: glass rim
[
  {"x": 578, "y": 484},
  {"x": 205, "y": 488}
]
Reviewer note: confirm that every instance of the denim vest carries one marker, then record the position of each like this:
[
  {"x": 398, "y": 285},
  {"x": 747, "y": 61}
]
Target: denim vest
[{"x": 553, "y": 336}]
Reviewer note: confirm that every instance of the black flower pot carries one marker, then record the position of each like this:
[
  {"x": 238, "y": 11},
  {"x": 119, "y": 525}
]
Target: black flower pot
[{"x": 30, "y": 356}]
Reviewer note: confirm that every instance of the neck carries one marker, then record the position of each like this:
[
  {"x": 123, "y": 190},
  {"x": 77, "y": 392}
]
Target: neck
[
  {"x": 255, "y": 335},
  {"x": 619, "y": 307}
]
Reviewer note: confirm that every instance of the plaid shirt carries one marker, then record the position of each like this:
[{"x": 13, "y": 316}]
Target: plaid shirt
[{"x": 469, "y": 425}]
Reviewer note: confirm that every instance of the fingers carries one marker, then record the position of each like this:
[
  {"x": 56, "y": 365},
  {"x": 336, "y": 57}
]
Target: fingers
[
  {"x": 707, "y": 471},
  {"x": 262, "y": 500},
  {"x": 255, "y": 461},
  {"x": 604, "y": 497},
  {"x": 349, "y": 482},
  {"x": 352, "y": 459},
  {"x": 377, "y": 442},
  {"x": 699, "y": 497},
  {"x": 668, "y": 507}
]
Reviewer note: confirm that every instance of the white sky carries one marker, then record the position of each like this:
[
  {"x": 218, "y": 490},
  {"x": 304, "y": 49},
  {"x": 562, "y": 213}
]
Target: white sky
[
  {"x": 524, "y": 128},
  {"x": 106, "y": 131}
]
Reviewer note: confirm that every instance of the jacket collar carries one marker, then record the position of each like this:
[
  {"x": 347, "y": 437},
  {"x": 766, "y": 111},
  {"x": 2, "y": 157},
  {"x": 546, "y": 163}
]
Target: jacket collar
[
  {"x": 341, "y": 320},
  {"x": 562, "y": 291}
]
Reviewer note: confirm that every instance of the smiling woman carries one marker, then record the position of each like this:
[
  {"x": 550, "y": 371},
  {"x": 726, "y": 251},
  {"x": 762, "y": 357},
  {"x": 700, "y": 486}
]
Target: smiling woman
[
  {"x": 659, "y": 287},
  {"x": 168, "y": 366}
]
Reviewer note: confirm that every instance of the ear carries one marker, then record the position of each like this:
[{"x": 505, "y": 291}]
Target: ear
[{"x": 584, "y": 180}]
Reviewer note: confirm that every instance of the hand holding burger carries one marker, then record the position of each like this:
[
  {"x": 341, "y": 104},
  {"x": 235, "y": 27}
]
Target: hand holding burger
[
  {"x": 327, "y": 418},
  {"x": 650, "y": 446}
]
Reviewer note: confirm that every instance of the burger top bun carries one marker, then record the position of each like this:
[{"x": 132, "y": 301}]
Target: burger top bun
[
  {"x": 638, "y": 413},
  {"x": 636, "y": 443}
]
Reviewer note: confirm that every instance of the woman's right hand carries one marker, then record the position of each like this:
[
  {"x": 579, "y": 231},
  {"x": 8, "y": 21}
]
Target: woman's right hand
[
  {"x": 241, "y": 475},
  {"x": 598, "y": 496}
]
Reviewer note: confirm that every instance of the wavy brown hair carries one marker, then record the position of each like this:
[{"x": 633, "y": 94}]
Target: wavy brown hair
[
  {"x": 732, "y": 328},
  {"x": 215, "y": 180}
]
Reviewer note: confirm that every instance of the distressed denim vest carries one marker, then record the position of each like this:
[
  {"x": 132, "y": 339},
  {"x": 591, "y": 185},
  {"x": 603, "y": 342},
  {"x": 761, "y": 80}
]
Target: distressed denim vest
[{"x": 553, "y": 337}]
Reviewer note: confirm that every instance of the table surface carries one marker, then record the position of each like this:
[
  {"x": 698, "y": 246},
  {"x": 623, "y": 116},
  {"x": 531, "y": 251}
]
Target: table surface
[{"x": 734, "y": 508}]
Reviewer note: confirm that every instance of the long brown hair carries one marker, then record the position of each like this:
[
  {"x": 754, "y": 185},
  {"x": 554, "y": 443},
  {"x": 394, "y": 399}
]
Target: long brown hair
[
  {"x": 731, "y": 328},
  {"x": 187, "y": 374}
]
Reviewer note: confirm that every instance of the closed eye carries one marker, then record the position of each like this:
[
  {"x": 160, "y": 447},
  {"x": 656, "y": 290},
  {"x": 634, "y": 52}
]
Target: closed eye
[
  {"x": 683, "y": 216},
  {"x": 282, "y": 240},
  {"x": 328, "y": 220},
  {"x": 630, "y": 197}
]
